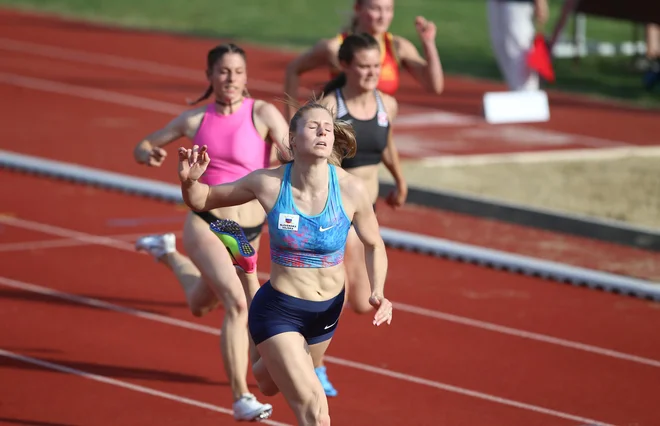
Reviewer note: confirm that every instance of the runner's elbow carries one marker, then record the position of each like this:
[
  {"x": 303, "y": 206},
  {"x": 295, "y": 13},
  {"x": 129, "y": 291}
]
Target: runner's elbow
[
  {"x": 437, "y": 87},
  {"x": 292, "y": 70},
  {"x": 373, "y": 245}
]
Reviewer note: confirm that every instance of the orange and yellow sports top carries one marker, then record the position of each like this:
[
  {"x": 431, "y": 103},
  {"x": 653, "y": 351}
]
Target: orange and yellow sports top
[{"x": 389, "y": 63}]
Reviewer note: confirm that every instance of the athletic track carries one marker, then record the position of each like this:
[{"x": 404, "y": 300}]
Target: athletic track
[{"x": 97, "y": 334}]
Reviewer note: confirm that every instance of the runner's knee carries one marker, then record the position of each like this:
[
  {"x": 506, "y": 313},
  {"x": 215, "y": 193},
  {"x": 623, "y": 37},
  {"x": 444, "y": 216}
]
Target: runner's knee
[
  {"x": 202, "y": 301},
  {"x": 233, "y": 299},
  {"x": 266, "y": 384},
  {"x": 201, "y": 310},
  {"x": 237, "y": 307},
  {"x": 268, "y": 388},
  {"x": 312, "y": 408}
]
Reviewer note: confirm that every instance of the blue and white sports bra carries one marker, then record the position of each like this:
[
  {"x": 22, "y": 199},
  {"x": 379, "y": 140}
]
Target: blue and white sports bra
[{"x": 301, "y": 241}]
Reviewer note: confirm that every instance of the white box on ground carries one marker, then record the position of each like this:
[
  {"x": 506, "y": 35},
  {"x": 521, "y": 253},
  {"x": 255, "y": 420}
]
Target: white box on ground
[{"x": 525, "y": 106}]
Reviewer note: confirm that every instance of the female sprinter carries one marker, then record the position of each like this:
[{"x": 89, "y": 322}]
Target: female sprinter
[
  {"x": 355, "y": 99},
  {"x": 374, "y": 17},
  {"x": 310, "y": 204},
  {"x": 235, "y": 129}
]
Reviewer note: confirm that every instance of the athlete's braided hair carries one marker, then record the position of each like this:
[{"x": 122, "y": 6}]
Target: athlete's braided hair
[{"x": 352, "y": 26}]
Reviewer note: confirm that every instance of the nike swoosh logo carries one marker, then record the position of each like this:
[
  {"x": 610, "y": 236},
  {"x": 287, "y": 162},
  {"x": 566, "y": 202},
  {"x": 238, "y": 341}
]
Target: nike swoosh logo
[
  {"x": 322, "y": 229},
  {"x": 331, "y": 325}
]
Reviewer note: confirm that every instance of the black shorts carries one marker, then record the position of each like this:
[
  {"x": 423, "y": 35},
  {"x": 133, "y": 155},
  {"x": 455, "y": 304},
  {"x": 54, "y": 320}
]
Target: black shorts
[
  {"x": 273, "y": 312},
  {"x": 251, "y": 233}
]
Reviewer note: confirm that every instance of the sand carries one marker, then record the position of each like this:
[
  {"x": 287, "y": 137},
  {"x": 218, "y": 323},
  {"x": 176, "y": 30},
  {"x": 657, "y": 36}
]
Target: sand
[{"x": 624, "y": 189}]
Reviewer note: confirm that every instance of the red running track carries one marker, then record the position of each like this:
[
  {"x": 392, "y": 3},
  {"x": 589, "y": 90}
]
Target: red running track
[
  {"x": 458, "y": 329},
  {"x": 459, "y": 353},
  {"x": 92, "y": 109},
  {"x": 171, "y": 68}
]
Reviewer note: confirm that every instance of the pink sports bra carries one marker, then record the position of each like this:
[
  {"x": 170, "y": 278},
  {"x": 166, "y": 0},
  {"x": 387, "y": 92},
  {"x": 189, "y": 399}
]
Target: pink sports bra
[{"x": 234, "y": 145}]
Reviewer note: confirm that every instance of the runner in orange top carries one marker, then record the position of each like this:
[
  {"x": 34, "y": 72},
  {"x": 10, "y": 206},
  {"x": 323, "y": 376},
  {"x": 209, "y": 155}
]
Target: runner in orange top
[
  {"x": 389, "y": 64},
  {"x": 374, "y": 17}
]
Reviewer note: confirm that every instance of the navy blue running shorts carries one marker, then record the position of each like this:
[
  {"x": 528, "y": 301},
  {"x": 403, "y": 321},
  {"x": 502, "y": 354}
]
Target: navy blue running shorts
[{"x": 273, "y": 312}]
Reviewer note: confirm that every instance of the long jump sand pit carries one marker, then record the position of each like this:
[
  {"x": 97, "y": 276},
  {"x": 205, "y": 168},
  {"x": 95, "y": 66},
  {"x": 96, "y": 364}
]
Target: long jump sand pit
[{"x": 621, "y": 183}]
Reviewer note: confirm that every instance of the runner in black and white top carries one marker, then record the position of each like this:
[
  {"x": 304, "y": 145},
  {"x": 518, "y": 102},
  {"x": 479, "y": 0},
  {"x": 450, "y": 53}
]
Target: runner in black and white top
[{"x": 355, "y": 98}]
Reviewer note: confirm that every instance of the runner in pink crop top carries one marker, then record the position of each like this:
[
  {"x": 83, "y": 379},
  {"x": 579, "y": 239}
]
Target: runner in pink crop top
[
  {"x": 240, "y": 133},
  {"x": 233, "y": 143}
]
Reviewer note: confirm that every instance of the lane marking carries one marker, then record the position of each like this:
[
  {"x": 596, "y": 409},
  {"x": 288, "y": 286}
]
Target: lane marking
[
  {"x": 545, "y": 156},
  {"x": 408, "y": 144},
  {"x": 121, "y": 62},
  {"x": 428, "y": 117},
  {"x": 69, "y": 242},
  {"x": 67, "y": 233},
  {"x": 457, "y": 319},
  {"x": 331, "y": 359},
  {"x": 102, "y": 95},
  {"x": 82, "y": 300},
  {"x": 91, "y": 93},
  {"x": 127, "y": 222},
  {"x": 424, "y": 312},
  {"x": 436, "y": 118},
  {"x": 124, "y": 385}
]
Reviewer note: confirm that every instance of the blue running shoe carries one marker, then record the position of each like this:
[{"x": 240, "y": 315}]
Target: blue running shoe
[{"x": 323, "y": 377}]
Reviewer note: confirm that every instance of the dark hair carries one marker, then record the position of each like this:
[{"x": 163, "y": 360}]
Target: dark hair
[
  {"x": 212, "y": 57},
  {"x": 351, "y": 45},
  {"x": 352, "y": 26},
  {"x": 345, "y": 145}
]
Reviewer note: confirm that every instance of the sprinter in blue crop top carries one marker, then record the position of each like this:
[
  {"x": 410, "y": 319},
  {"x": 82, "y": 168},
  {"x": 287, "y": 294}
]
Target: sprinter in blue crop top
[
  {"x": 311, "y": 204},
  {"x": 355, "y": 98}
]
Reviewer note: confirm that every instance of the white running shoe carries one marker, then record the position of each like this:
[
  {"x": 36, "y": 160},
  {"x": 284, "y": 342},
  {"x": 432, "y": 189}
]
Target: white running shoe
[
  {"x": 247, "y": 408},
  {"x": 157, "y": 245}
]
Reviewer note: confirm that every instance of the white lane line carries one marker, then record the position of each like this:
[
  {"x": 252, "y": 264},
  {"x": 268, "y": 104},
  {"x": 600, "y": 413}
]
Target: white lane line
[
  {"x": 120, "y": 62},
  {"x": 66, "y": 242},
  {"x": 463, "y": 391},
  {"x": 91, "y": 93},
  {"x": 8, "y": 282},
  {"x": 427, "y": 117},
  {"x": 331, "y": 359},
  {"x": 429, "y": 313},
  {"x": 67, "y": 233},
  {"x": 526, "y": 334},
  {"x": 94, "y": 94},
  {"x": 122, "y": 384},
  {"x": 409, "y": 144},
  {"x": 546, "y": 156}
]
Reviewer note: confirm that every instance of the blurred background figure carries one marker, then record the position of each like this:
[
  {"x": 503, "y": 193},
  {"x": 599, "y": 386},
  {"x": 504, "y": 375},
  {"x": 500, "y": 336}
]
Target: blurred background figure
[
  {"x": 512, "y": 25},
  {"x": 652, "y": 66},
  {"x": 398, "y": 53}
]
